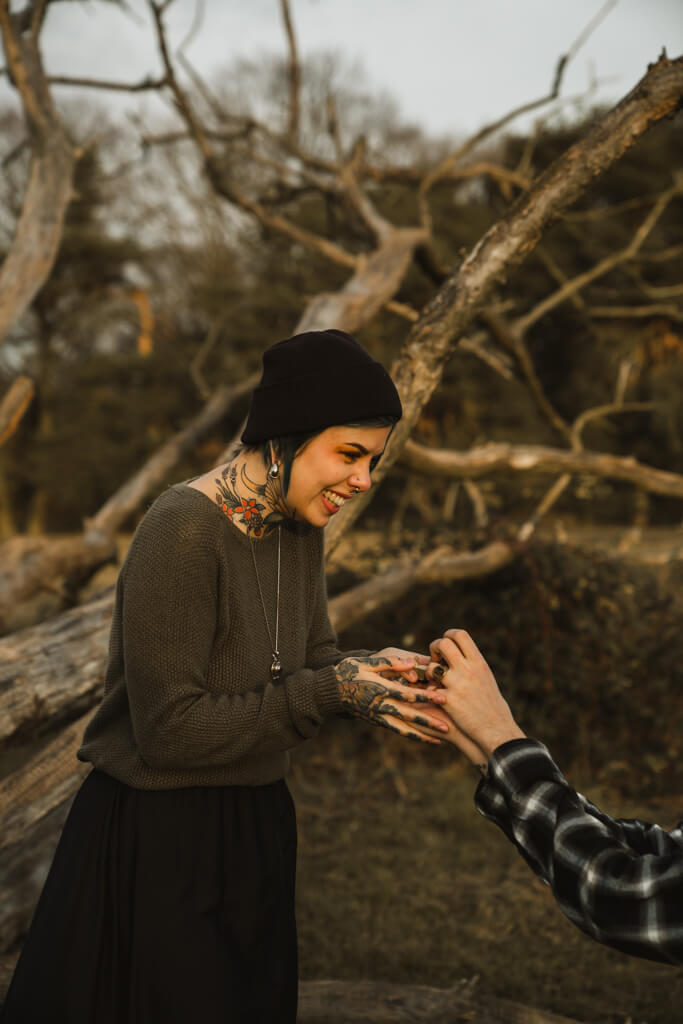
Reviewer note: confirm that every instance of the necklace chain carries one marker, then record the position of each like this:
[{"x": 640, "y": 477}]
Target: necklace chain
[{"x": 276, "y": 666}]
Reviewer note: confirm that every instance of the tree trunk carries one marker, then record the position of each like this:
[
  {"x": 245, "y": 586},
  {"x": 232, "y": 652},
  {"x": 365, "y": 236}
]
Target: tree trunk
[
  {"x": 420, "y": 365},
  {"x": 33, "y": 807},
  {"x": 382, "y": 1002},
  {"x": 53, "y": 671},
  {"x": 30, "y": 566},
  {"x": 373, "y": 284},
  {"x": 13, "y": 406},
  {"x": 39, "y": 231},
  {"x": 526, "y": 458}
]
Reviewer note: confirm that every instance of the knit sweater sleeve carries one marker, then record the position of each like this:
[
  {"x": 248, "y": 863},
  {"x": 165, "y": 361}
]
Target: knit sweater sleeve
[{"x": 169, "y": 613}]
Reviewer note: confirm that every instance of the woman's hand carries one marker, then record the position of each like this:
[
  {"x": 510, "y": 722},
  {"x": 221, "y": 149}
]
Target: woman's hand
[
  {"x": 397, "y": 652},
  {"x": 481, "y": 716},
  {"x": 366, "y": 692}
]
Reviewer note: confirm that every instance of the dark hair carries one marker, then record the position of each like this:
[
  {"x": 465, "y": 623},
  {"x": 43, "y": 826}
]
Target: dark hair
[{"x": 288, "y": 447}]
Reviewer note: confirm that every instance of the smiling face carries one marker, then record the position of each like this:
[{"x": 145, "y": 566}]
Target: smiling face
[{"x": 329, "y": 467}]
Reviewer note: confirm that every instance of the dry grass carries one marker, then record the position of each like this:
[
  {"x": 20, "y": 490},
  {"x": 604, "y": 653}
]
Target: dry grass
[{"x": 401, "y": 880}]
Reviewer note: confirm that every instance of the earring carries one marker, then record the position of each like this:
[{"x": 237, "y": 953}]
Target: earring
[{"x": 274, "y": 470}]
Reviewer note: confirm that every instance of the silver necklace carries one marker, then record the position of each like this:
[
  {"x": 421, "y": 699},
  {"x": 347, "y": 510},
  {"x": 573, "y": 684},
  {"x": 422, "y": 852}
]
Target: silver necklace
[{"x": 276, "y": 666}]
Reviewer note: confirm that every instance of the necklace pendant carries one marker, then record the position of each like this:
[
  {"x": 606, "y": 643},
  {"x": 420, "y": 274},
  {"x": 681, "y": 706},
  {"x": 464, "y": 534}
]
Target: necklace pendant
[{"x": 276, "y": 667}]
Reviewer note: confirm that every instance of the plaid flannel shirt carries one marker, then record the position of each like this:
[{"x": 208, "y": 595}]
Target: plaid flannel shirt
[{"x": 621, "y": 881}]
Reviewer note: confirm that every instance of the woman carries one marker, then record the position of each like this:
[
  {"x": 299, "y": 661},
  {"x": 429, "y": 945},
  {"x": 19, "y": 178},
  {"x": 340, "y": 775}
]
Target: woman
[{"x": 171, "y": 895}]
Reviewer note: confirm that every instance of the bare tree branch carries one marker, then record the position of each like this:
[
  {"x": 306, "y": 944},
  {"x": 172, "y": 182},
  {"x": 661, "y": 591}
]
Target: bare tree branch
[
  {"x": 501, "y": 457},
  {"x": 146, "y": 84},
  {"x": 13, "y": 406},
  {"x": 14, "y": 153},
  {"x": 202, "y": 354},
  {"x": 635, "y": 312},
  {"x": 506, "y": 244},
  {"x": 294, "y": 74},
  {"x": 514, "y": 343},
  {"x": 29, "y": 564},
  {"x": 599, "y": 412},
  {"x": 551, "y": 497},
  {"x": 446, "y": 165},
  {"x": 571, "y": 287},
  {"x": 558, "y": 274},
  {"x": 49, "y": 189},
  {"x": 440, "y": 566}
]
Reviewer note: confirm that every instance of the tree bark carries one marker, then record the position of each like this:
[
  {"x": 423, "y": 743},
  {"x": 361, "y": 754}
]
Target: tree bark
[
  {"x": 53, "y": 671},
  {"x": 34, "y": 803},
  {"x": 373, "y": 284},
  {"x": 13, "y": 406},
  {"x": 31, "y": 565},
  {"x": 39, "y": 231},
  {"x": 418, "y": 369},
  {"x": 528, "y": 458},
  {"x": 440, "y": 566},
  {"x": 382, "y": 1002},
  {"x": 56, "y": 669}
]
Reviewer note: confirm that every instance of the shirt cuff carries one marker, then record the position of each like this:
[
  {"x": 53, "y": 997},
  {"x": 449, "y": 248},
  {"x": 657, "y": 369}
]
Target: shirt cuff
[
  {"x": 518, "y": 764},
  {"x": 327, "y": 691}
]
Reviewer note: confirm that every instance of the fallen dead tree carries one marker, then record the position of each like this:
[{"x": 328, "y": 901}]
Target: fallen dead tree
[
  {"x": 53, "y": 156},
  {"x": 530, "y": 458},
  {"x": 34, "y": 804},
  {"x": 32, "y": 565},
  {"x": 418, "y": 369},
  {"x": 53, "y": 671},
  {"x": 34, "y": 800},
  {"x": 377, "y": 1002}
]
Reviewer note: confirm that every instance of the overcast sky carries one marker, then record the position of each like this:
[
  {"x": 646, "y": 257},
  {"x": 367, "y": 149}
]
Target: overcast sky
[{"x": 451, "y": 64}]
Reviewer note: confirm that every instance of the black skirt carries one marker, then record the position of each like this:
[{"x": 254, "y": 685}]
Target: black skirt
[{"x": 163, "y": 907}]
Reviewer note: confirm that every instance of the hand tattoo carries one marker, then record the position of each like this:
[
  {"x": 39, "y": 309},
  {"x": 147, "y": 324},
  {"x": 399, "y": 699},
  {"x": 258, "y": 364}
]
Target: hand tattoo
[{"x": 372, "y": 699}]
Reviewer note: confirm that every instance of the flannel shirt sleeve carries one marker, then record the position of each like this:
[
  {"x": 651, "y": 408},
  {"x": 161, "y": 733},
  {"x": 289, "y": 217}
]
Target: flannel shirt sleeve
[{"x": 620, "y": 881}]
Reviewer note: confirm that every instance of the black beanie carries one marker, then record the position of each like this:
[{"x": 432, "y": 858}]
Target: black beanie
[{"x": 316, "y": 380}]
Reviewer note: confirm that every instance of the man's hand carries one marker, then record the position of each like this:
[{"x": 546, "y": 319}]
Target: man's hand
[
  {"x": 370, "y": 689},
  {"x": 480, "y": 714}
]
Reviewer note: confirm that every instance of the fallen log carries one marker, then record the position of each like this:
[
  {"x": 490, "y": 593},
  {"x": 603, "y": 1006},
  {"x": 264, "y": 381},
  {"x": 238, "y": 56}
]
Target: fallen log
[
  {"x": 31, "y": 565},
  {"x": 13, "y": 406},
  {"x": 49, "y": 191},
  {"x": 418, "y": 369},
  {"x": 532, "y": 458},
  {"x": 440, "y": 566},
  {"x": 55, "y": 670},
  {"x": 34, "y": 803},
  {"x": 376, "y": 1002},
  {"x": 380, "y": 1002}
]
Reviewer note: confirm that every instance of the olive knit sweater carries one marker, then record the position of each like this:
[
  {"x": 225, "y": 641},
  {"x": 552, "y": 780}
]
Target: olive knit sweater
[{"x": 188, "y": 699}]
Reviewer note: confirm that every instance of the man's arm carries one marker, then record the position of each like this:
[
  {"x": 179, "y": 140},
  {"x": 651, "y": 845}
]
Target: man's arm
[{"x": 619, "y": 881}]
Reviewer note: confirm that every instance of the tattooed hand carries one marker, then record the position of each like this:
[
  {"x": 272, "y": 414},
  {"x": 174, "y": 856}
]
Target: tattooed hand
[
  {"x": 367, "y": 691},
  {"x": 398, "y": 652}
]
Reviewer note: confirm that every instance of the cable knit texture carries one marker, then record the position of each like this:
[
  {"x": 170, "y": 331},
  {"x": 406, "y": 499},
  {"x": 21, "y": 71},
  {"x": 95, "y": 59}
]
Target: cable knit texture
[{"x": 188, "y": 699}]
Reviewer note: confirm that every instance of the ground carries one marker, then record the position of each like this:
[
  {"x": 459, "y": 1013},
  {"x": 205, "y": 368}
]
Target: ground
[{"x": 400, "y": 879}]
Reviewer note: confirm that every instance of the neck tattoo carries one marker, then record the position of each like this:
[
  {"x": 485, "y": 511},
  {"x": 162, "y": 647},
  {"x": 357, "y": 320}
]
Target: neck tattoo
[{"x": 255, "y": 508}]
